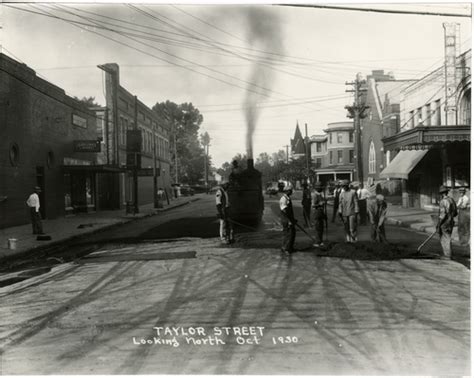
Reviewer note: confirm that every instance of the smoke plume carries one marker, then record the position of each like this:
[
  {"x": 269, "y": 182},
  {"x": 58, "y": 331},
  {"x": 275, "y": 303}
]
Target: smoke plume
[{"x": 264, "y": 35}]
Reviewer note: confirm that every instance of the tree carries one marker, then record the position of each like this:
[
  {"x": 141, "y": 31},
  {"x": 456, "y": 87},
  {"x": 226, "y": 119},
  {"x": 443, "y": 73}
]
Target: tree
[
  {"x": 87, "y": 101},
  {"x": 183, "y": 122}
]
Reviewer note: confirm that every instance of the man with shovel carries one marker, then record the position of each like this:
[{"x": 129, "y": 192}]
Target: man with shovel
[
  {"x": 447, "y": 213},
  {"x": 377, "y": 211}
]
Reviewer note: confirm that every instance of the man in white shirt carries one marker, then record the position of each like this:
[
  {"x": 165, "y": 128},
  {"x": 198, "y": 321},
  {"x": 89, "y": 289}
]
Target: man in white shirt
[
  {"x": 33, "y": 203},
  {"x": 362, "y": 195},
  {"x": 464, "y": 219}
]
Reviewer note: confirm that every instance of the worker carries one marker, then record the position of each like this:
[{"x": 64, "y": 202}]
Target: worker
[
  {"x": 464, "y": 218},
  {"x": 377, "y": 212},
  {"x": 348, "y": 211},
  {"x": 306, "y": 204},
  {"x": 447, "y": 213},
  {"x": 226, "y": 231},
  {"x": 362, "y": 195},
  {"x": 318, "y": 203},
  {"x": 337, "y": 193},
  {"x": 288, "y": 220}
]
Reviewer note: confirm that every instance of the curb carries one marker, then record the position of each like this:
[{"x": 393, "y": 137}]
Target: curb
[{"x": 58, "y": 243}]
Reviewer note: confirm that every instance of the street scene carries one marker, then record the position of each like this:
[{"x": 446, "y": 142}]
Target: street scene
[{"x": 245, "y": 189}]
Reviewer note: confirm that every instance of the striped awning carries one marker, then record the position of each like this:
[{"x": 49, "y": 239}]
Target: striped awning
[{"x": 401, "y": 166}]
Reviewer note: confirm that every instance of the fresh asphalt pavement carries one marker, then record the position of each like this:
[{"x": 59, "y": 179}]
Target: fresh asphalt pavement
[{"x": 162, "y": 295}]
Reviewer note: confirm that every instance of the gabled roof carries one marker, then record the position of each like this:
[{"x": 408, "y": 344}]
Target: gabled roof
[{"x": 297, "y": 143}]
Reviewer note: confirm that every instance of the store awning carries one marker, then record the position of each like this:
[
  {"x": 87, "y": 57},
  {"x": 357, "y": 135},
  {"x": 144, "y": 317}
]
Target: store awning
[
  {"x": 93, "y": 168},
  {"x": 403, "y": 164}
]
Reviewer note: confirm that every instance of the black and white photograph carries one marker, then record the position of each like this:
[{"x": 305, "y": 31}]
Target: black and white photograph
[{"x": 235, "y": 189}]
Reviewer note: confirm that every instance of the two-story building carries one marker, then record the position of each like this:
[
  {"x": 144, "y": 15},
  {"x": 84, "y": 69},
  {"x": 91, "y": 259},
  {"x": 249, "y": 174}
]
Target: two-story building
[{"x": 433, "y": 145}]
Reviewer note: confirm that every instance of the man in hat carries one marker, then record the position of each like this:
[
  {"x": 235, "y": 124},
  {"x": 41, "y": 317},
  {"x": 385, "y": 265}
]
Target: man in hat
[
  {"x": 288, "y": 220},
  {"x": 362, "y": 195},
  {"x": 464, "y": 219},
  {"x": 447, "y": 212},
  {"x": 337, "y": 193},
  {"x": 306, "y": 204},
  {"x": 226, "y": 231},
  {"x": 33, "y": 203},
  {"x": 377, "y": 212},
  {"x": 320, "y": 218},
  {"x": 348, "y": 211}
]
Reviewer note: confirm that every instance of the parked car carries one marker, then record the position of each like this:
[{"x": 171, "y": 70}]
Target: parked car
[{"x": 186, "y": 190}]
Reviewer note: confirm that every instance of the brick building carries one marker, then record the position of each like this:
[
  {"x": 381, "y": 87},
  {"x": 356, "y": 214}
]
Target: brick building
[
  {"x": 126, "y": 112},
  {"x": 382, "y": 96},
  {"x": 49, "y": 140}
]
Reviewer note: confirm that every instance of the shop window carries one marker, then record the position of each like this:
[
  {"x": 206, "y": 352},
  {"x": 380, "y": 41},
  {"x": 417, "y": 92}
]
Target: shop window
[
  {"x": 14, "y": 154},
  {"x": 372, "y": 157}
]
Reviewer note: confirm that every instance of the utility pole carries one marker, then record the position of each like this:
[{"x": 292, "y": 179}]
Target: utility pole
[
  {"x": 155, "y": 186},
  {"x": 175, "y": 152},
  {"x": 205, "y": 141},
  {"x": 135, "y": 166},
  {"x": 287, "y": 146},
  {"x": 356, "y": 111},
  {"x": 307, "y": 152}
]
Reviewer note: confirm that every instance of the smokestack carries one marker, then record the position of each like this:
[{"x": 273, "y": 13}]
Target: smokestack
[{"x": 250, "y": 164}]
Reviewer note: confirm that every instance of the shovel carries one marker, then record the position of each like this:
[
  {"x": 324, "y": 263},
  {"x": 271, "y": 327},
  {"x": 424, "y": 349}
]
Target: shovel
[{"x": 426, "y": 241}]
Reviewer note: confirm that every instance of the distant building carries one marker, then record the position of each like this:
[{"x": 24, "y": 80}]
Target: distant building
[
  {"x": 154, "y": 136},
  {"x": 432, "y": 146},
  {"x": 334, "y": 152},
  {"x": 318, "y": 146},
  {"x": 298, "y": 148}
]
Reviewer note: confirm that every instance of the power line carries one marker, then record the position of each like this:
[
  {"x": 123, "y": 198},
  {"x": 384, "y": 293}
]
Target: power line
[{"x": 392, "y": 11}]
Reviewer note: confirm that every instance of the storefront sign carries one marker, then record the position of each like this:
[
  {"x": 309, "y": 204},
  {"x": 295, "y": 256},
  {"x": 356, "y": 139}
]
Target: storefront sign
[
  {"x": 71, "y": 161},
  {"x": 79, "y": 121},
  {"x": 87, "y": 146}
]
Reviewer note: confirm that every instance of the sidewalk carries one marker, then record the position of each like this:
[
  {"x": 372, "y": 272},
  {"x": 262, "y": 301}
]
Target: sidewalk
[
  {"x": 67, "y": 228},
  {"x": 417, "y": 219}
]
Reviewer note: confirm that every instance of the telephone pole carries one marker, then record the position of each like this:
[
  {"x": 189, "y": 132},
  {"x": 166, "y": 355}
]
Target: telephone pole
[
  {"x": 357, "y": 112},
  {"x": 306, "y": 149},
  {"x": 287, "y": 146}
]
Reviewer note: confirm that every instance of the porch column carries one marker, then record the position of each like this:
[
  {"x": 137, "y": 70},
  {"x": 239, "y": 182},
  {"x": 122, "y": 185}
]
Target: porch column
[{"x": 405, "y": 198}]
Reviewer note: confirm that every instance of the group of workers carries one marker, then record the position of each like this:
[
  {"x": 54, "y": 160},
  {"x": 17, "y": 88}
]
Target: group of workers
[{"x": 354, "y": 205}]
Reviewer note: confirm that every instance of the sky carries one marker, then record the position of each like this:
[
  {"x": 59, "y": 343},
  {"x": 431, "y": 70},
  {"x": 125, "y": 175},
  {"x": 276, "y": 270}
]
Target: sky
[{"x": 264, "y": 65}]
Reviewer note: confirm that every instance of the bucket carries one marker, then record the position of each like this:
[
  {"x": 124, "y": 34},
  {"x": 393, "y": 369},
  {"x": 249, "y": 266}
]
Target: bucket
[{"x": 12, "y": 243}]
